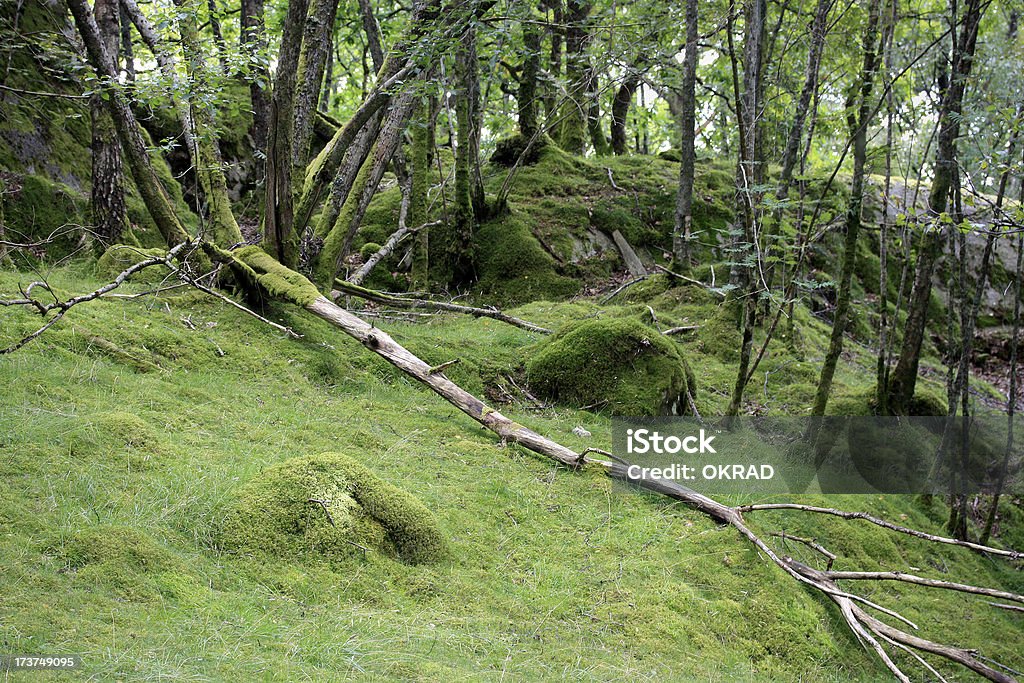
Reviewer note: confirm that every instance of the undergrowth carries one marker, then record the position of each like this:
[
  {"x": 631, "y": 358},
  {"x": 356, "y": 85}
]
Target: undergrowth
[{"x": 119, "y": 475}]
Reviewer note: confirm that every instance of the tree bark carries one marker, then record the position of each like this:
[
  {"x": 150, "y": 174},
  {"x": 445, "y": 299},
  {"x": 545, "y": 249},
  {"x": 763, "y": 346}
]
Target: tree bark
[
  {"x": 316, "y": 46},
  {"x": 904, "y": 375},
  {"x": 279, "y": 237},
  {"x": 109, "y": 213},
  {"x": 683, "y": 226},
  {"x": 253, "y": 43},
  {"x": 620, "y": 110},
  {"x": 819, "y": 30},
  {"x": 133, "y": 144}
]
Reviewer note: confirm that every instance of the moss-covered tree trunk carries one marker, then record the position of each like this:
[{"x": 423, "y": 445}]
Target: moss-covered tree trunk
[
  {"x": 574, "y": 112},
  {"x": 467, "y": 196},
  {"x": 109, "y": 213},
  {"x": 206, "y": 156},
  {"x": 904, "y": 375},
  {"x": 422, "y": 141}
]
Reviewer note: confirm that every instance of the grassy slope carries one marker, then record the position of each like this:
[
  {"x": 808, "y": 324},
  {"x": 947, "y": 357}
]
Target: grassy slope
[{"x": 552, "y": 574}]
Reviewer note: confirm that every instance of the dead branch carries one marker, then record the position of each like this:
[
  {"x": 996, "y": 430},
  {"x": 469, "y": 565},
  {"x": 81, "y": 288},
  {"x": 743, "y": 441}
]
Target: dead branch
[
  {"x": 62, "y": 307},
  {"x": 1012, "y": 554},
  {"x": 1015, "y": 608},
  {"x": 386, "y": 250},
  {"x": 622, "y": 287},
  {"x": 402, "y": 302},
  {"x": 810, "y": 543},
  {"x": 681, "y": 329},
  {"x": 692, "y": 281},
  {"x": 922, "y": 581}
]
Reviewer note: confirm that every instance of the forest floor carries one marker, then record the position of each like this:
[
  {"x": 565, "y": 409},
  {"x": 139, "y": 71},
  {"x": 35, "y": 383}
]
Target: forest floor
[{"x": 127, "y": 431}]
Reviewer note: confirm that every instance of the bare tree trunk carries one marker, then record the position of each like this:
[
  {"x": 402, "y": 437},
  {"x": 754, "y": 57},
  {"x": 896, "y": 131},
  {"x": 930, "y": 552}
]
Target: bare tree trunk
[
  {"x": 747, "y": 173},
  {"x": 126, "y": 42},
  {"x": 327, "y": 91},
  {"x": 683, "y": 227},
  {"x": 620, "y": 111},
  {"x": 109, "y": 213},
  {"x": 253, "y": 45},
  {"x": 858, "y": 124},
  {"x": 819, "y": 29},
  {"x": 316, "y": 46},
  {"x": 279, "y": 237},
  {"x": 134, "y": 146},
  {"x": 904, "y": 375}
]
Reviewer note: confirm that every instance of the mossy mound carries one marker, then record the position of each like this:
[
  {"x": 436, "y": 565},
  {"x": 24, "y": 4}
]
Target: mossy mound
[
  {"x": 513, "y": 266},
  {"x": 329, "y": 505},
  {"x": 118, "y": 436},
  {"x": 126, "y": 561},
  {"x": 619, "y": 363},
  {"x": 119, "y": 257}
]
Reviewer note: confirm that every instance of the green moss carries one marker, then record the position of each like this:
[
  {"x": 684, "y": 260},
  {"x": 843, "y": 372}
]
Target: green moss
[
  {"x": 513, "y": 266},
  {"x": 117, "y": 437},
  {"x": 276, "y": 279},
  {"x": 38, "y": 208},
  {"x": 618, "y": 362},
  {"x": 720, "y": 335},
  {"x": 329, "y": 506},
  {"x": 124, "y": 560},
  {"x": 119, "y": 257},
  {"x": 368, "y": 250}
]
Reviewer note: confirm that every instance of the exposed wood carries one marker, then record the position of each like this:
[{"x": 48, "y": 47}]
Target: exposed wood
[
  {"x": 633, "y": 263},
  {"x": 386, "y": 250}
]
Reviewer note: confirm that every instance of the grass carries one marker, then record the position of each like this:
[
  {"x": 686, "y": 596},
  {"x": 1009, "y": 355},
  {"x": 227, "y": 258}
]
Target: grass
[{"x": 118, "y": 475}]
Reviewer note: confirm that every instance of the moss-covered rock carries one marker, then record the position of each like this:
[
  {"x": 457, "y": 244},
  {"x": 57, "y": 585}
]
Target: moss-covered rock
[
  {"x": 329, "y": 506},
  {"x": 513, "y": 266},
  {"x": 119, "y": 257},
  {"x": 617, "y": 362},
  {"x": 119, "y": 437}
]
